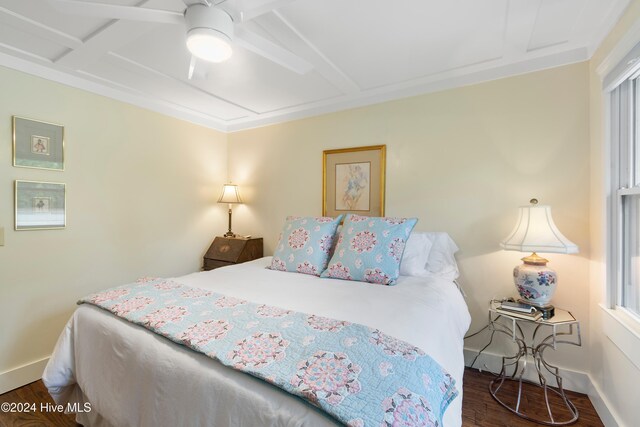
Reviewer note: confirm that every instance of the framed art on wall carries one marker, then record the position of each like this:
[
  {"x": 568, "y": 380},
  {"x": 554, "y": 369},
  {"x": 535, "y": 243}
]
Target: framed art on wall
[
  {"x": 37, "y": 144},
  {"x": 40, "y": 205},
  {"x": 353, "y": 181}
]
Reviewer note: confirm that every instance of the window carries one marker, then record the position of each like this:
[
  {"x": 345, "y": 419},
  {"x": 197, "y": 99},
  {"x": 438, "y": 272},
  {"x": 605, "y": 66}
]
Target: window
[
  {"x": 621, "y": 89},
  {"x": 625, "y": 194}
]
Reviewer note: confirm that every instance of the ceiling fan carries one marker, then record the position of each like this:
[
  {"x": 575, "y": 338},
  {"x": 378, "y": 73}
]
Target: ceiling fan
[{"x": 212, "y": 29}]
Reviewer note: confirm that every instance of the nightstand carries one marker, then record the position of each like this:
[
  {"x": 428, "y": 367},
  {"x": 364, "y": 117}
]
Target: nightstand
[
  {"x": 562, "y": 328},
  {"x": 232, "y": 250}
]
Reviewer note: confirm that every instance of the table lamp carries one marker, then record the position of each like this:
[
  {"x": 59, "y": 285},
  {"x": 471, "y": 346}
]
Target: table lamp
[
  {"x": 230, "y": 195},
  {"x": 535, "y": 231}
]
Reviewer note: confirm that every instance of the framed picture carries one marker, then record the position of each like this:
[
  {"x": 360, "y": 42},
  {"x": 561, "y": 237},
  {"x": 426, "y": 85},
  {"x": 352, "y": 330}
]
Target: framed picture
[
  {"x": 40, "y": 205},
  {"x": 353, "y": 181},
  {"x": 38, "y": 145}
]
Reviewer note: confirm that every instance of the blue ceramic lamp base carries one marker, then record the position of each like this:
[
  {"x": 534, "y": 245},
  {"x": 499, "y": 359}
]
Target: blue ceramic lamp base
[{"x": 535, "y": 282}]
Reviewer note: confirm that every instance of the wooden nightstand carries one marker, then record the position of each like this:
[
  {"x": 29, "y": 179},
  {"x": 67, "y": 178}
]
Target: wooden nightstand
[{"x": 232, "y": 250}]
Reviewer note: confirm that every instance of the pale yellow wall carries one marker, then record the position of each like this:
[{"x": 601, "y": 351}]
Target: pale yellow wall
[
  {"x": 617, "y": 379},
  {"x": 141, "y": 193},
  {"x": 462, "y": 161}
]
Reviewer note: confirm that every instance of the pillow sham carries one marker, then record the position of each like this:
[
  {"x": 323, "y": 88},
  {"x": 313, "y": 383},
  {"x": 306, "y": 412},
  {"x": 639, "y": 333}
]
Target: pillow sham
[
  {"x": 305, "y": 244},
  {"x": 370, "y": 249}
]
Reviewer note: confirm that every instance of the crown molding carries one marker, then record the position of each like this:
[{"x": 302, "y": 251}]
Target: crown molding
[
  {"x": 485, "y": 71},
  {"x": 452, "y": 79},
  {"x": 138, "y": 100}
]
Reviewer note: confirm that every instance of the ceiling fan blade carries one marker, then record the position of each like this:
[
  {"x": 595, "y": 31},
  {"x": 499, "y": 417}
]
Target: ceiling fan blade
[
  {"x": 266, "y": 7},
  {"x": 192, "y": 66},
  {"x": 263, "y": 47},
  {"x": 240, "y": 13},
  {"x": 111, "y": 11}
]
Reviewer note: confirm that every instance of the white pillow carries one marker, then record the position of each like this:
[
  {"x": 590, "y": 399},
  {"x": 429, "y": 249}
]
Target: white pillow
[
  {"x": 442, "y": 261},
  {"x": 430, "y": 254},
  {"x": 416, "y": 254}
]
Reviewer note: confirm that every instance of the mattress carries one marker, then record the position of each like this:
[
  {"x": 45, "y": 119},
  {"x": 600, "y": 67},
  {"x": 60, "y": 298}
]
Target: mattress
[{"x": 129, "y": 376}]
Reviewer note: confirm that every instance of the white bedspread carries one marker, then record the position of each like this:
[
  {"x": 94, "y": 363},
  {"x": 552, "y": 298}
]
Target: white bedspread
[{"x": 132, "y": 377}]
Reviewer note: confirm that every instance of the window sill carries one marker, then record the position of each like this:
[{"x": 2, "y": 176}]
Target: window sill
[{"x": 624, "y": 331}]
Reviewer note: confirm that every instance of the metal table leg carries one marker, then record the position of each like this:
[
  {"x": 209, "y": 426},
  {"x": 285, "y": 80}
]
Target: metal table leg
[{"x": 536, "y": 351}]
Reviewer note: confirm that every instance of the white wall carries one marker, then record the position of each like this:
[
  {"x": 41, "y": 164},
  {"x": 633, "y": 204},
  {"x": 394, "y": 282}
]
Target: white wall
[
  {"x": 615, "y": 378},
  {"x": 462, "y": 161},
  {"x": 141, "y": 193}
]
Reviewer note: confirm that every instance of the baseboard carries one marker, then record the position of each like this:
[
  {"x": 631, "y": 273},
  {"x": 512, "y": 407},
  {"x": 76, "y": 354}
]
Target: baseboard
[
  {"x": 22, "y": 375},
  {"x": 602, "y": 406},
  {"x": 571, "y": 380}
]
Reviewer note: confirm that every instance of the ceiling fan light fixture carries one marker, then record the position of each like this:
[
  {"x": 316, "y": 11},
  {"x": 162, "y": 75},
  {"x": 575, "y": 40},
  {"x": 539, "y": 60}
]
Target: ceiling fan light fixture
[
  {"x": 209, "y": 32},
  {"x": 209, "y": 45}
]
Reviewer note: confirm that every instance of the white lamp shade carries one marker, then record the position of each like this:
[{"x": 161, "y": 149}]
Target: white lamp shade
[
  {"x": 230, "y": 194},
  {"x": 535, "y": 231}
]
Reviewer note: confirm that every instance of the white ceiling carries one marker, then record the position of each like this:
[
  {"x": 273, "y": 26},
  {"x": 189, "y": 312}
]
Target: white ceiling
[{"x": 363, "y": 52}]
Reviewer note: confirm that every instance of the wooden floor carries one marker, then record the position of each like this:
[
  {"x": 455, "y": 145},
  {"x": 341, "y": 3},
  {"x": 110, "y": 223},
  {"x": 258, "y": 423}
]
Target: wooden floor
[
  {"x": 478, "y": 408},
  {"x": 34, "y": 393}
]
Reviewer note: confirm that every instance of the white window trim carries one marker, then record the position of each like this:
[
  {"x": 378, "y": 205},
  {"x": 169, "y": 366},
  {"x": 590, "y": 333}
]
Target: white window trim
[
  {"x": 622, "y": 107},
  {"x": 623, "y": 330},
  {"x": 620, "y": 325}
]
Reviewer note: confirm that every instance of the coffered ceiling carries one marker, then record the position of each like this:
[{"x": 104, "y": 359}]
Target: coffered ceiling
[{"x": 362, "y": 52}]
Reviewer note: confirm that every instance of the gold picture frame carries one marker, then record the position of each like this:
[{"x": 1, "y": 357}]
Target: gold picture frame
[
  {"x": 353, "y": 181},
  {"x": 40, "y": 205},
  {"x": 37, "y": 144}
]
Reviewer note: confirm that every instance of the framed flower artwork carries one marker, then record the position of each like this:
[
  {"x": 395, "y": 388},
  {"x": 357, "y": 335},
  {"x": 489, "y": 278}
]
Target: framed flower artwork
[
  {"x": 353, "y": 181},
  {"x": 38, "y": 145},
  {"x": 40, "y": 205}
]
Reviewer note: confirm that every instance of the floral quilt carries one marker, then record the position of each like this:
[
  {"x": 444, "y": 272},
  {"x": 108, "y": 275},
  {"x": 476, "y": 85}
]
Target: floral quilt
[{"x": 359, "y": 375}]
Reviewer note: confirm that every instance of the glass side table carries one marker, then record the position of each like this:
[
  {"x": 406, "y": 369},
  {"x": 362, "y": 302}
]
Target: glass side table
[{"x": 562, "y": 328}]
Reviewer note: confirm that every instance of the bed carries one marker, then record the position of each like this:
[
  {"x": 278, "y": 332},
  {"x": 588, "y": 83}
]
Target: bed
[{"x": 129, "y": 376}]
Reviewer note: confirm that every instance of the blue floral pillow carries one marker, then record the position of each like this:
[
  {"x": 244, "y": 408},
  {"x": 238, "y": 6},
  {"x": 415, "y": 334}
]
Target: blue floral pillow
[
  {"x": 305, "y": 244},
  {"x": 370, "y": 249}
]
